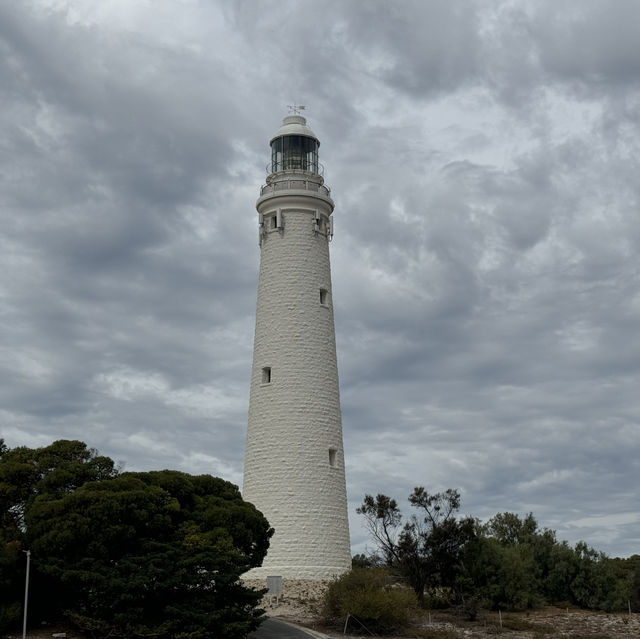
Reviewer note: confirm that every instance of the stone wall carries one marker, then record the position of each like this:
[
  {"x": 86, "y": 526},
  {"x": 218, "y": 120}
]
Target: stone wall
[{"x": 294, "y": 461}]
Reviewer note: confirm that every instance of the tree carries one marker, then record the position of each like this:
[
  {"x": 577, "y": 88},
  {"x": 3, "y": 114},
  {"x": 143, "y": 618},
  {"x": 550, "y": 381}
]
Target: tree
[
  {"x": 11, "y": 574},
  {"x": 509, "y": 529},
  {"x": 564, "y": 561},
  {"x": 156, "y": 553},
  {"x": 527, "y": 559},
  {"x": 10, "y": 607},
  {"x": 125, "y": 555},
  {"x": 426, "y": 549},
  {"x": 633, "y": 566},
  {"x": 53, "y": 470},
  {"x": 26, "y": 473},
  {"x": 597, "y": 583},
  {"x": 366, "y": 561},
  {"x": 500, "y": 575},
  {"x": 514, "y": 564}
]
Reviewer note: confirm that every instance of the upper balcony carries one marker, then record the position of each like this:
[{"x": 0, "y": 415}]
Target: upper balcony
[
  {"x": 295, "y": 179},
  {"x": 295, "y": 163}
]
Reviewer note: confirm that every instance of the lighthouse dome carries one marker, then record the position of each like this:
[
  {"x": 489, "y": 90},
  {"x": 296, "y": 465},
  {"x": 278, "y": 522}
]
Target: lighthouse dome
[{"x": 294, "y": 125}]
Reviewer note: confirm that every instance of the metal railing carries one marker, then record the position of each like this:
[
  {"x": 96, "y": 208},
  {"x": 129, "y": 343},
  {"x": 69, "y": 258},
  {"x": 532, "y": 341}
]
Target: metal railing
[
  {"x": 295, "y": 164},
  {"x": 296, "y": 184}
]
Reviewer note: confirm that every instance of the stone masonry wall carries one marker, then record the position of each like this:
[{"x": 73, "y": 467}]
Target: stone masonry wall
[{"x": 294, "y": 462}]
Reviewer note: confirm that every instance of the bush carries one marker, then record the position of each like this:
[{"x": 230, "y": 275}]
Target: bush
[
  {"x": 10, "y": 615},
  {"x": 12, "y": 566},
  {"x": 364, "y": 593},
  {"x": 437, "y": 599}
]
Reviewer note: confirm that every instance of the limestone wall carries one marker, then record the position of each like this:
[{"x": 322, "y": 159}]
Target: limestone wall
[{"x": 294, "y": 462}]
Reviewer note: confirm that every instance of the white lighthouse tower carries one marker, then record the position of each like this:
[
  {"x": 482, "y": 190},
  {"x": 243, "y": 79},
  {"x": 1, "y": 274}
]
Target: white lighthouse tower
[{"x": 294, "y": 461}]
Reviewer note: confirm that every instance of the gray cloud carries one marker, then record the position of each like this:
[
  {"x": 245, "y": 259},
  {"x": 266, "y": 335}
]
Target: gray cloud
[{"x": 484, "y": 163}]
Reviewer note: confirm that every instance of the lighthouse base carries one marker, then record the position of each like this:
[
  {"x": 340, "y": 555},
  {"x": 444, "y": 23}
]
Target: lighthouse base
[{"x": 311, "y": 573}]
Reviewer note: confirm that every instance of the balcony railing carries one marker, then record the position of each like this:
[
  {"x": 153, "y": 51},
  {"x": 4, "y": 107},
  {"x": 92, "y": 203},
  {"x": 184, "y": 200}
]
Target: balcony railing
[
  {"x": 297, "y": 184},
  {"x": 295, "y": 164}
]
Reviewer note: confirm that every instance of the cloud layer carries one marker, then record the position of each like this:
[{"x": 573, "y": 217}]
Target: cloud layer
[{"x": 483, "y": 158}]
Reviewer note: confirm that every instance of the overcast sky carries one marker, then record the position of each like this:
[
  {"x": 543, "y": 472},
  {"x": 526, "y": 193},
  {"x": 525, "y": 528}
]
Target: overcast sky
[{"x": 484, "y": 157}]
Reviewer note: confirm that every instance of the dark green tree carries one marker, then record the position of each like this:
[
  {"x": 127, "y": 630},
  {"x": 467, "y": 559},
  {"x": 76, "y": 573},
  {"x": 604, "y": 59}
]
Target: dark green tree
[
  {"x": 126, "y": 555},
  {"x": 156, "y": 553},
  {"x": 632, "y": 566},
  {"x": 598, "y": 584},
  {"x": 26, "y": 473},
  {"x": 500, "y": 575},
  {"x": 514, "y": 564},
  {"x": 557, "y": 586},
  {"x": 509, "y": 529},
  {"x": 528, "y": 558},
  {"x": 10, "y": 605},
  {"x": 12, "y": 573},
  {"x": 366, "y": 561},
  {"x": 53, "y": 470},
  {"x": 426, "y": 550}
]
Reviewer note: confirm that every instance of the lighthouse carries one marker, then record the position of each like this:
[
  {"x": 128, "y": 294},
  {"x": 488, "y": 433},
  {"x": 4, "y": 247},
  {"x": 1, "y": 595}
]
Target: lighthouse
[{"x": 294, "y": 460}]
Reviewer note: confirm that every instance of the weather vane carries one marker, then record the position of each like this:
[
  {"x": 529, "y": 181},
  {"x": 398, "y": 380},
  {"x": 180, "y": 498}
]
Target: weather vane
[{"x": 296, "y": 108}]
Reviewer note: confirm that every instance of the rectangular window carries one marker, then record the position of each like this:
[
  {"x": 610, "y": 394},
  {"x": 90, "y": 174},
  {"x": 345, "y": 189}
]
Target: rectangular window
[
  {"x": 266, "y": 375},
  {"x": 332, "y": 457},
  {"x": 323, "y": 296}
]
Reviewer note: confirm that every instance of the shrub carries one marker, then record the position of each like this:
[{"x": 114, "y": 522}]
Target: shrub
[
  {"x": 365, "y": 594},
  {"x": 10, "y": 615},
  {"x": 437, "y": 599}
]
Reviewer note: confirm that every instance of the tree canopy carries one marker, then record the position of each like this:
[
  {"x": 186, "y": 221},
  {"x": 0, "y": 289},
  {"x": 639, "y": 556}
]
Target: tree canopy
[
  {"x": 509, "y": 562},
  {"x": 426, "y": 549},
  {"x": 131, "y": 554}
]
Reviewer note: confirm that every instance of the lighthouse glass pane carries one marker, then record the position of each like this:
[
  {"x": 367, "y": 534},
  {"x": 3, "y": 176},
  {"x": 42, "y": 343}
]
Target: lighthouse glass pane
[
  {"x": 294, "y": 152},
  {"x": 276, "y": 155}
]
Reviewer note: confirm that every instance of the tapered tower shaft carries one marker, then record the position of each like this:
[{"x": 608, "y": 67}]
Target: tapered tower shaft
[{"x": 294, "y": 462}]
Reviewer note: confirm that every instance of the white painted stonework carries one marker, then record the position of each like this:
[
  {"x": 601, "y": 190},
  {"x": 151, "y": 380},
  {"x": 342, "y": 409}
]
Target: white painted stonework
[{"x": 294, "y": 461}]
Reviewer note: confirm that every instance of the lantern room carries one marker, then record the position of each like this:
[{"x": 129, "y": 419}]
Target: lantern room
[{"x": 294, "y": 147}]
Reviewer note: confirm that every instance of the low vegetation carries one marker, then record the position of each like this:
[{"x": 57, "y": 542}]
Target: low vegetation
[{"x": 369, "y": 597}]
